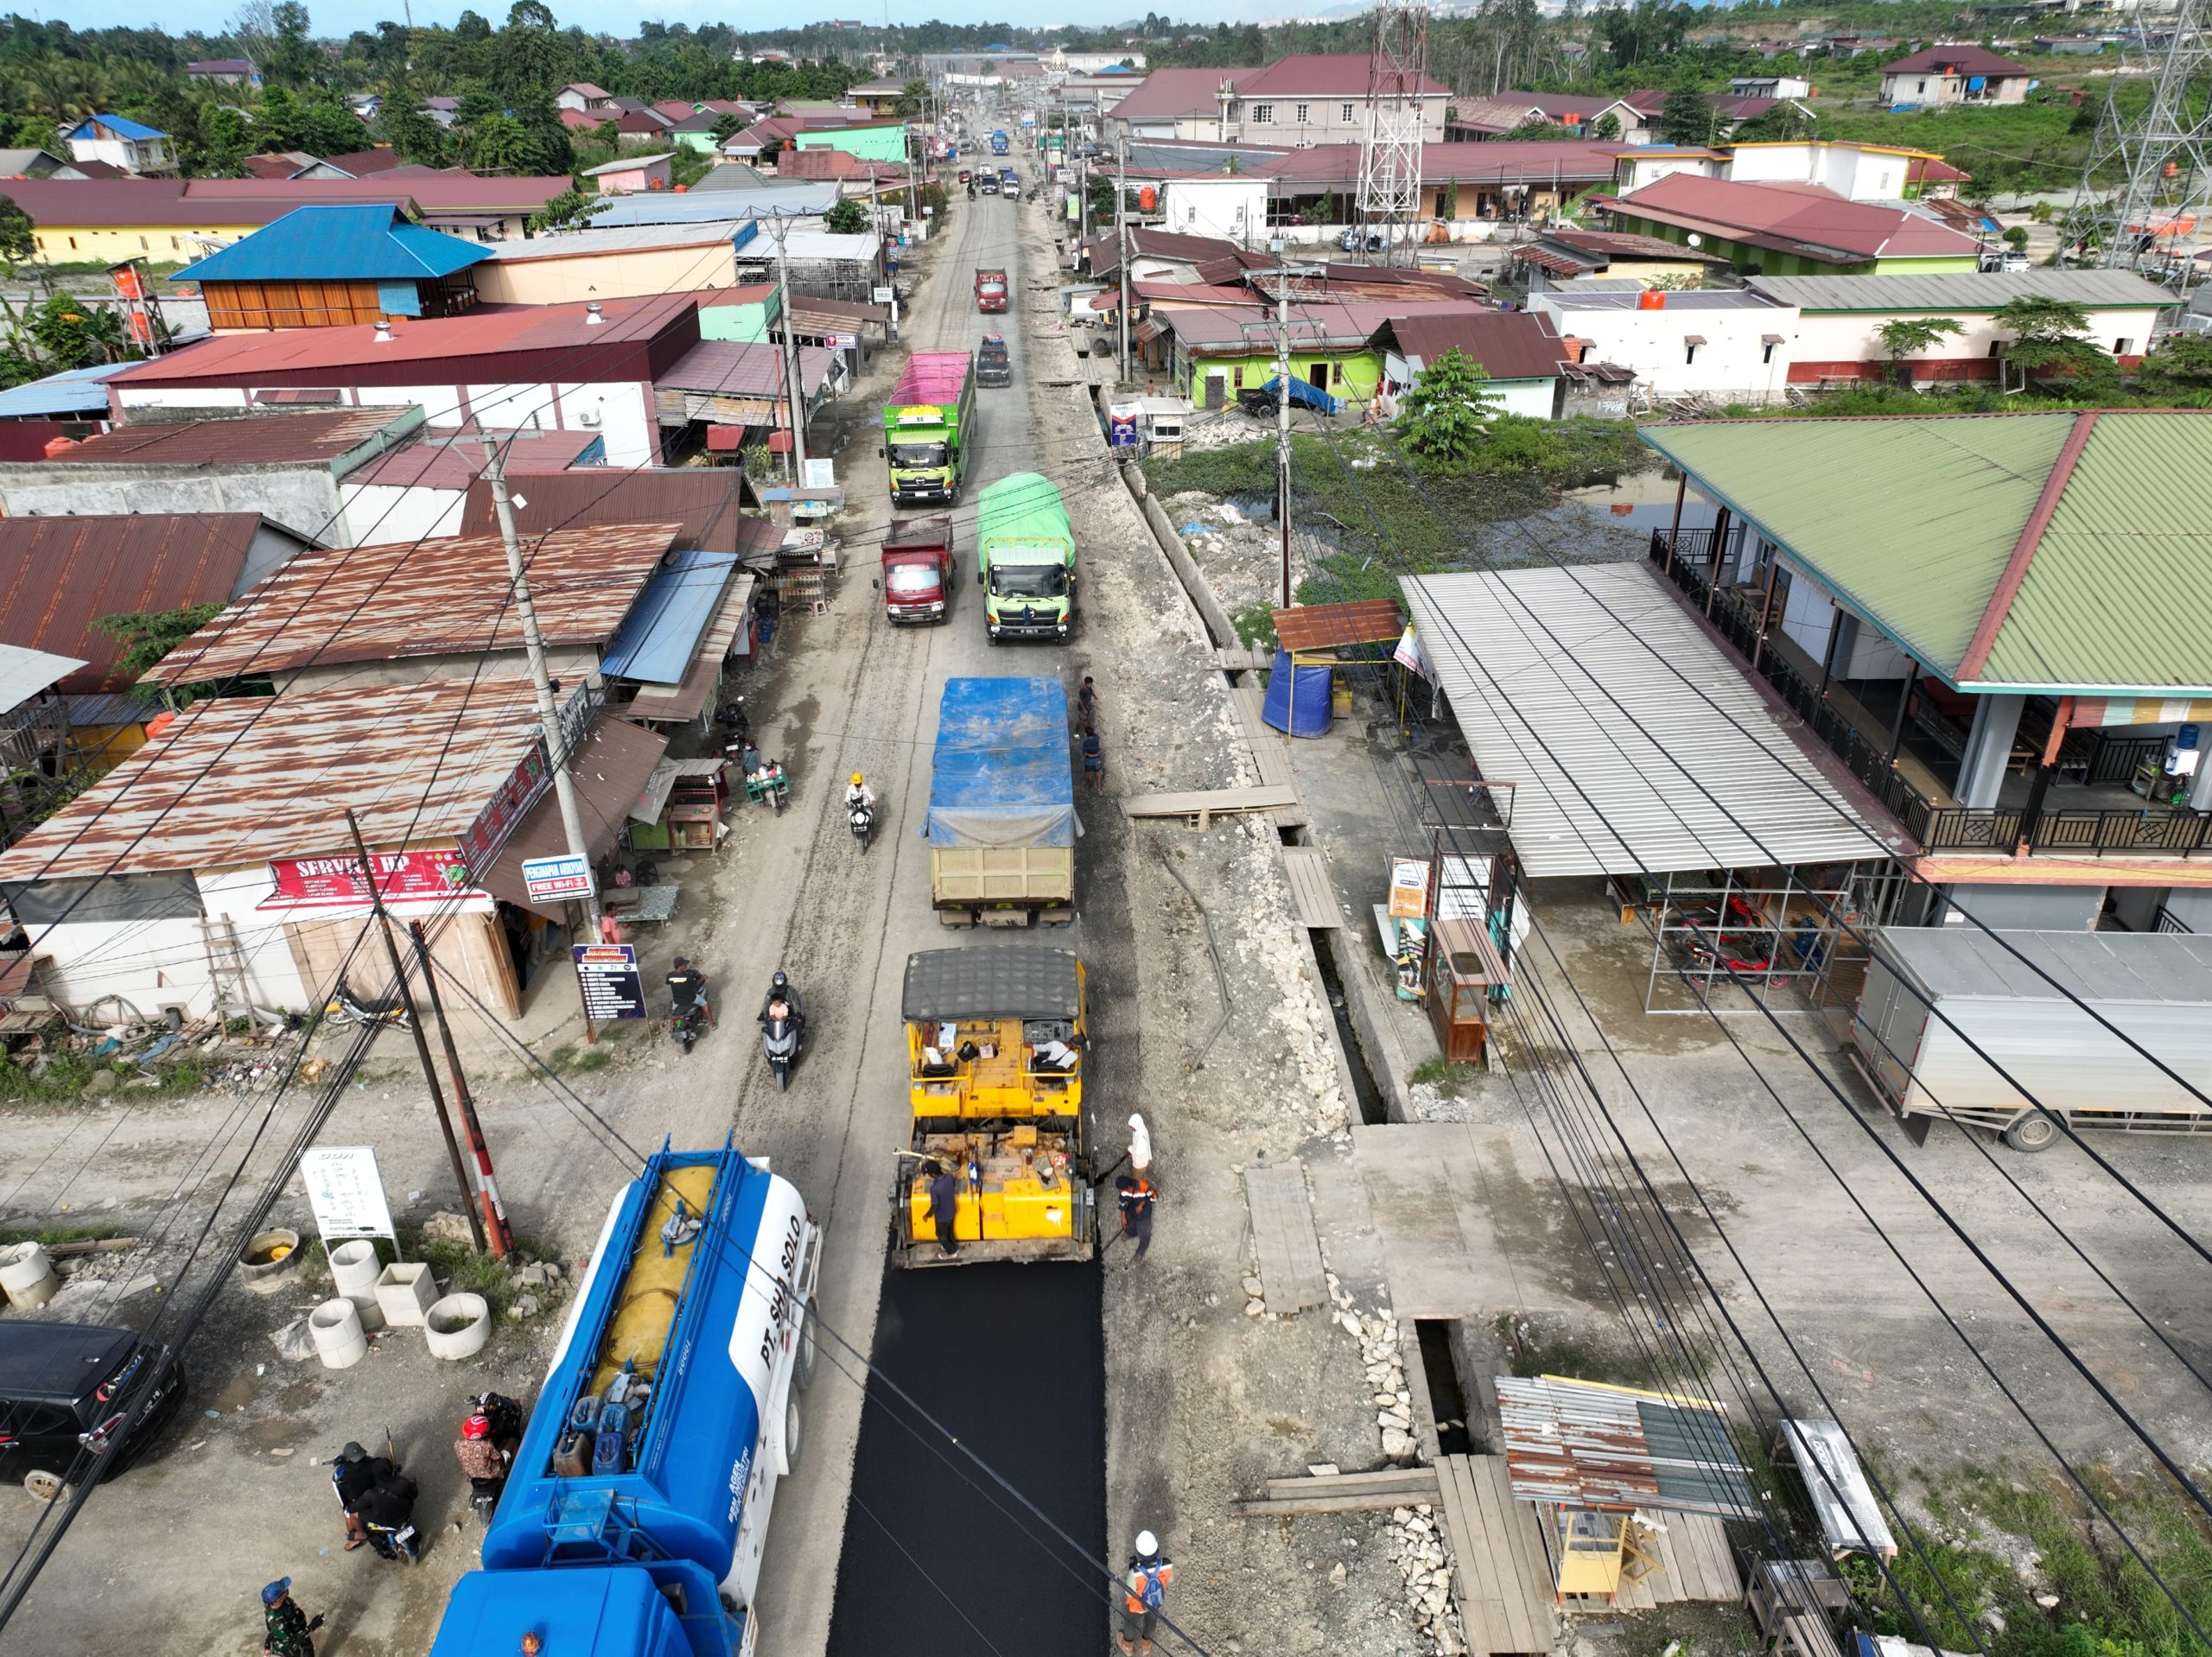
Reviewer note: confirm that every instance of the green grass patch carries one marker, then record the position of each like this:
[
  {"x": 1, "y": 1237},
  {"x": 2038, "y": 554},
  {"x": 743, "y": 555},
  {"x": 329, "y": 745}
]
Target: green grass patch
[
  {"x": 571, "y": 1060},
  {"x": 65, "y": 1077},
  {"x": 54, "y": 1236},
  {"x": 1256, "y": 628},
  {"x": 463, "y": 1271}
]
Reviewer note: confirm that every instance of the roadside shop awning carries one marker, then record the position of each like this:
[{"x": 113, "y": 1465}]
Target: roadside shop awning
[
  {"x": 609, "y": 767},
  {"x": 1633, "y": 743},
  {"x": 1323, "y": 627}
]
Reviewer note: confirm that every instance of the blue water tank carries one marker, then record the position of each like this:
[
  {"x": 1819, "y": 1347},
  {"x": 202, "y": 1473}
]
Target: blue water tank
[{"x": 1298, "y": 698}]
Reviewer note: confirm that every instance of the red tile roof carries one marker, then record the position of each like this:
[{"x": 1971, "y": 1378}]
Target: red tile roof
[
  {"x": 1793, "y": 219},
  {"x": 1332, "y": 75},
  {"x": 1954, "y": 61},
  {"x": 59, "y": 575}
]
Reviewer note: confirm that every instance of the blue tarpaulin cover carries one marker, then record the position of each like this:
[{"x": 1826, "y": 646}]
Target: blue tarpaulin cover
[
  {"x": 1001, "y": 775},
  {"x": 661, "y": 634}
]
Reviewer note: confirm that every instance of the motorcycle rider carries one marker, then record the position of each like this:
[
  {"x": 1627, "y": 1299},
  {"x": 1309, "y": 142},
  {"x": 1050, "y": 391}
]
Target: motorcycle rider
[
  {"x": 780, "y": 990},
  {"x": 352, "y": 1476},
  {"x": 687, "y": 987},
  {"x": 857, "y": 792},
  {"x": 481, "y": 1459}
]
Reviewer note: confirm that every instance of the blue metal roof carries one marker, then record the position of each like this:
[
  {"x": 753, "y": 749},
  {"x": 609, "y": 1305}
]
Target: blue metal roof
[
  {"x": 122, "y": 125},
  {"x": 364, "y": 243},
  {"x": 661, "y": 634},
  {"x": 73, "y": 391}
]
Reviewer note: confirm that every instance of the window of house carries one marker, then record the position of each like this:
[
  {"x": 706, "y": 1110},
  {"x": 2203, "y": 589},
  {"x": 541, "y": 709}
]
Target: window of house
[
  {"x": 1238, "y": 378},
  {"x": 1996, "y": 347},
  {"x": 2122, "y": 347},
  {"x": 1305, "y": 113},
  {"x": 1346, "y": 113},
  {"x": 72, "y": 244},
  {"x": 1262, "y": 114},
  {"x": 1923, "y": 86},
  {"x": 1690, "y": 352},
  {"x": 1766, "y": 350},
  {"x": 142, "y": 244}
]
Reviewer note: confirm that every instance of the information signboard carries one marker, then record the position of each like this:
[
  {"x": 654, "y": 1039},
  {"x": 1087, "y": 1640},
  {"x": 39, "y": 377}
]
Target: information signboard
[
  {"x": 346, "y": 1192},
  {"x": 566, "y": 875},
  {"x": 611, "y": 987}
]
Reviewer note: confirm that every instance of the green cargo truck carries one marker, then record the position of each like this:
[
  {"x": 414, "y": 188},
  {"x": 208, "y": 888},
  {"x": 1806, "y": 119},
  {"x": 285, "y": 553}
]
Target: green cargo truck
[
  {"x": 927, "y": 426},
  {"x": 1025, "y": 559}
]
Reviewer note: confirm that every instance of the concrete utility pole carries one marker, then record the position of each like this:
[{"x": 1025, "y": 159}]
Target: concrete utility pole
[
  {"x": 487, "y": 1186},
  {"x": 1282, "y": 420},
  {"x": 794, "y": 399},
  {"x": 382, "y": 923},
  {"x": 533, "y": 644},
  {"x": 1122, "y": 230}
]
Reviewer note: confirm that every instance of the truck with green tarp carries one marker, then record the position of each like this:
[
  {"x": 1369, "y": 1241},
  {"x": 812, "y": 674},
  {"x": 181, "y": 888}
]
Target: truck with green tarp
[
  {"x": 928, "y": 427},
  {"x": 1025, "y": 559},
  {"x": 1001, "y": 824}
]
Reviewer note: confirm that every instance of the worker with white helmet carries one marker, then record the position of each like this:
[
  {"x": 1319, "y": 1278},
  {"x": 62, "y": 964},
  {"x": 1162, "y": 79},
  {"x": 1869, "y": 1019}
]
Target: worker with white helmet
[{"x": 1145, "y": 1590}]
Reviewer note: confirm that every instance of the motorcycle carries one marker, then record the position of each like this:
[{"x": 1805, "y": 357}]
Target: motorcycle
[
  {"x": 347, "y": 1008},
  {"x": 687, "y": 1025},
  {"x": 861, "y": 817},
  {"x": 779, "y": 1047},
  {"x": 400, "y": 1542},
  {"x": 506, "y": 1419},
  {"x": 734, "y": 720}
]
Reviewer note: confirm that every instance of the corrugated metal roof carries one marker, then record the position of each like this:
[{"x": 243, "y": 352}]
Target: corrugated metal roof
[
  {"x": 1506, "y": 344},
  {"x": 25, "y": 672},
  {"x": 1002, "y": 981},
  {"x": 363, "y": 242},
  {"x": 2092, "y": 968},
  {"x": 661, "y": 634},
  {"x": 1961, "y": 290},
  {"x": 235, "y": 781},
  {"x": 608, "y": 767},
  {"x": 666, "y": 207},
  {"x": 701, "y": 680},
  {"x": 454, "y": 463},
  {"x": 629, "y": 238},
  {"x": 73, "y": 391},
  {"x": 430, "y": 598},
  {"x": 59, "y": 575},
  {"x": 726, "y": 368},
  {"x": 1534, "y": 661},
  {"x": 1587, "y": 1445},
  {"x": 250, "y": 440},
  {"x": 1319, "y": 627},
  {"x": 1814, "y": 221},
  {"x": 701, "y": 501},
  {"x": 2112, "y": 599}
]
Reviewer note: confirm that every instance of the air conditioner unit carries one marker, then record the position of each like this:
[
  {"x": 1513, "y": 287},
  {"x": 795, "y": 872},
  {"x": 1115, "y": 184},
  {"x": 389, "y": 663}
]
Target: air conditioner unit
[{"x": 589, "y": 419}]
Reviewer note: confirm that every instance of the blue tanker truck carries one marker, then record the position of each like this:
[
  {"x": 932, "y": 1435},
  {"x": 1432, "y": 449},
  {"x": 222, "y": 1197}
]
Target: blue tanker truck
[{"x": 634, "y": 1523}]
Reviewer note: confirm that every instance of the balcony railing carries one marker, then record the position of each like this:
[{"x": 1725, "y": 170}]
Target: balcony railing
[{"x": 2168, "y": 831}]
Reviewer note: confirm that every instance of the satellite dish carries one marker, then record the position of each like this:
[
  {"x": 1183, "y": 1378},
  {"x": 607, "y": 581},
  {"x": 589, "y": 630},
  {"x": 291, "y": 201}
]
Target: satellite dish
[{"x": 1694, "y": 239}]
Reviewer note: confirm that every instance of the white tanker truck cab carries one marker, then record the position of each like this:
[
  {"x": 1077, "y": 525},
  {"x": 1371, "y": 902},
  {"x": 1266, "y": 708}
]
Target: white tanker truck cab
[{"x": 634, "y": 1521}]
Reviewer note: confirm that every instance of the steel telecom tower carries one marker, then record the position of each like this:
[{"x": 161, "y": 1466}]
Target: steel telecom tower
[
  {"x": 1390, "y": 159},
  {"x": 2163, "y": 155}
]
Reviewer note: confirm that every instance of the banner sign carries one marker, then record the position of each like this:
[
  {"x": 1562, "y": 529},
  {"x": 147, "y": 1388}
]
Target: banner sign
[
  {"x": 400, "y": 877},
  {"x": 497, "y": 821},
  {"x": 563, "y": 876},
  {"x": 608, "y": 973},
  {"x": 346, "y": 1192},
  {"x": 1408, "y": 887}
]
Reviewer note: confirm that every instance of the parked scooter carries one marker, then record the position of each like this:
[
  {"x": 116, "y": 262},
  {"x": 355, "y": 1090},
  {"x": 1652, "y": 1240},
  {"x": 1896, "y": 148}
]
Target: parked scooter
[
  {"x": 348, "y": 1008},
  {"x": 734, "y": 720}
]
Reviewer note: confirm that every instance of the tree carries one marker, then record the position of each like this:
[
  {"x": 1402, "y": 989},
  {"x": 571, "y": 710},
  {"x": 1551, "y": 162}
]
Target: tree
[
  {"x": 16, "y": 243},
  {"x": 500, "y": 144},
  {"x": 845, "y": 217},
  {"x": 290, "y": 59},
  {"x": 2047, "y": 334},
  {"x": 1605, "y": 129},
  {"x": 1441, "y": 418},
  {"x": 1541, "y": 131},
  {"x": 2179, "y": 372},
  {"x": 570, "y": 210},
  {"x": 149, "y": 635},
  {"x": 415, "y": 137},
  {"x": 66, "y": 332},
  {"x": 1687, "y": 118},
  {"x": 225, "y": 140},
  {"x": 1901, "y": 338},
  {"x": 2016, "y": 239},
  {"x": 728, "y": 125},
  {"x": 1785, "y": 123},
  {"x": 912, "y": 97}
]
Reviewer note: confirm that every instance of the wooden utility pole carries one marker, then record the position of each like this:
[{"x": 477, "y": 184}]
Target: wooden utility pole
[
  {"x": 794, "y": 398},
  {"x": 382, "y": 923},
  {"x": 1282, "y": 419}
]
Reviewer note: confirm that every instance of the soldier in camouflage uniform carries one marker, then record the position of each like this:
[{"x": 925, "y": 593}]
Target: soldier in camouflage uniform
[{"x": 290, "y": 1627}]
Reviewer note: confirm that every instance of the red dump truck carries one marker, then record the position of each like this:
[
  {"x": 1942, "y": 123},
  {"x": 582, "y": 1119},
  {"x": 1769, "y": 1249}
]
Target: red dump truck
[
  {"x": 990, "y": 288},
  {"x": 918, "y": 569}
]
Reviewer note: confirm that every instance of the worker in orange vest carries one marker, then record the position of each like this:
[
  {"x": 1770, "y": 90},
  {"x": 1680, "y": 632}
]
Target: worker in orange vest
[{"x": 1145, "y": 1591}]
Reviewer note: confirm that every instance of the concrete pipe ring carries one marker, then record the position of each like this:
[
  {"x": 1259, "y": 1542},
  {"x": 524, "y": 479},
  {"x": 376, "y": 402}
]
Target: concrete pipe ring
[
  {"x": 457, "y": 1326},
  {"x": 335, "y": 1328},
  {"x": 266, "y": 1264},
  {"x": 354, "y": 1268},
  {"x": 27, "y": 1277}
]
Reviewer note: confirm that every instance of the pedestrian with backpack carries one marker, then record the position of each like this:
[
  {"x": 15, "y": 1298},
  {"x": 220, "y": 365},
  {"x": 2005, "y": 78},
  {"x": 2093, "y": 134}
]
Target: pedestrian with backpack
[{"x": 1145, "y": 1590}]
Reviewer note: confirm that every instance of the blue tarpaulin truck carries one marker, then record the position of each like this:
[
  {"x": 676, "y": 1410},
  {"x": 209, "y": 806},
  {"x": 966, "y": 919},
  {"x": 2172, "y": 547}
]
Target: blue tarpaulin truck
[
  {"x": 1002, "y": 825},
  {"x": 633, "y": 1523}
]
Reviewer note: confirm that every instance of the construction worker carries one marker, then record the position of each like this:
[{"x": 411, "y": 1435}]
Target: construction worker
[
  {"x": 1145, "y": 1590},
  {"x": 1134, "y": 1195}
]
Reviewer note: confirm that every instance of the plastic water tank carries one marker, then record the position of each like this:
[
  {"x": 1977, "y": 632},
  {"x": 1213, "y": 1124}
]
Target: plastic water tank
[
  {"x": 1298, "y": 698},
  {"x": 1651, "y": 299},
  {"x": 1147, "y": 199}
]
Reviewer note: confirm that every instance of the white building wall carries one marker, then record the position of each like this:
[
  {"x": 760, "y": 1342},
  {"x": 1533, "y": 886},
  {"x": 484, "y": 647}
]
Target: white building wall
[
  {"x": 1530, "y": 397},
  {"x": 1230, "y": 209},
  {"x": 1846, "y": 336},
  {"x": 1734, "y": 365},
  {"x": 1854, "y": 173},
  {"x": 384, "y": 512}
]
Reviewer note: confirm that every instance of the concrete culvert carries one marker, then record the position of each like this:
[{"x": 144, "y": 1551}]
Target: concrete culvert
[
  {"x": 338, "y": 1340},
  {"x": 458, "y": 1325},
  {"x": 265, "y": 1265},
  {"x": 27, "y": 1277}
]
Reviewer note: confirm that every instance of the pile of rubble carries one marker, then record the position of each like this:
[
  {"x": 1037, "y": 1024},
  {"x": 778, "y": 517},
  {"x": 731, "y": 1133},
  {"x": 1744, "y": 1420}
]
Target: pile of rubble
[
  {"x": 1377, "y": 1334},
  {"x": 1415, "y": 1542}
]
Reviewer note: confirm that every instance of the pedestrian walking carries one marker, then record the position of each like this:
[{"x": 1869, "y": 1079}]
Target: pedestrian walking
[
  {"x": 290, "y": 1630},
  {"x": 1085, "y": 699},
  {"x": 1140, "y": 1144},
  {"x": 1145, "y": 1589},
  {"x": 944, "y": 1204},
  {"x": 1094, "y": 759},
  {"x": 1134, "y": 1194}
]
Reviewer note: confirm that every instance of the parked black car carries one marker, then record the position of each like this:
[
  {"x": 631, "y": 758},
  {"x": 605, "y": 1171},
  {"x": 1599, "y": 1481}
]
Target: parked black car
[
  {"x": 65, "y": 1389},
  {"x": 1258, "y": 401}
]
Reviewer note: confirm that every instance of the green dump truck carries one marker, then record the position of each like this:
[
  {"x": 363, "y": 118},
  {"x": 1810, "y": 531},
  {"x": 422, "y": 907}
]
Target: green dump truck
[{"x": 1025, "y": 559}]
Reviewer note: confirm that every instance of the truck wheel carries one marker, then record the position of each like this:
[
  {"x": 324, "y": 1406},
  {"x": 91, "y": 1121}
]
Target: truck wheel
[
  {"x": 791, "y": 1436},
  {"x": 808, "y": 1353},
  {"x": 2036, "y": 1132}
]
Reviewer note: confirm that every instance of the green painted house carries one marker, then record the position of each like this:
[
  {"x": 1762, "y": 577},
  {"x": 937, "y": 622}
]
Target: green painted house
[
  {"x": 885, "y": 142},
  {"x": 1217, "y": 352},
  {"x": 1777, "y": 230},
  {"x": 744, "y": 315}
]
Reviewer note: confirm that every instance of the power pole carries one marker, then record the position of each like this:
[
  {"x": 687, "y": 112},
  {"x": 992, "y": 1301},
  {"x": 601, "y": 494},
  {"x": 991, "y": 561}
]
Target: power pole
[
  {"x": 794, "y": 400},
  {"x": 1122, "y": 230},
  {"x": 1282, "y": 420},
  {"x": 383, "y": 924},
  {"x": 533, "y": 644},
  {"x": 487, "y": 1188},
  {"x": 1389, "y": 159}
]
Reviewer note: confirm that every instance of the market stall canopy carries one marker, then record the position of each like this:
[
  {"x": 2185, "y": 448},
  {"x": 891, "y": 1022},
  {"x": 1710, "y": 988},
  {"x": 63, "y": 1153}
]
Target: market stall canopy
[
  {"x": 1583, "y": 1443},
  {"x": 1323, "y": 627},
  {"x": 1006, "y": 980}
]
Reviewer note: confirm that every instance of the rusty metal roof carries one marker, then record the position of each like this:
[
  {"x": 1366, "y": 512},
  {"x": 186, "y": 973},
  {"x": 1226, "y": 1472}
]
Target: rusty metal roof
[
  {"x": 238, "y": 780},
  {"x": 59, "y": 575},
  {"x": 249, "y": 439},
  {"x": 1586, "y": 1444},
  {"x": 703, "y": 501},
  {"x": 1321, "y": 626},
  {"x": 609, "y": 766},
  {"x": 445, "y": 597}
]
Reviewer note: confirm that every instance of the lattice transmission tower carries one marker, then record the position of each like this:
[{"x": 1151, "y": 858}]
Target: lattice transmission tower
[
  {"x": 1389, "y": 157},
  {"x": 2160, "y": 159}
]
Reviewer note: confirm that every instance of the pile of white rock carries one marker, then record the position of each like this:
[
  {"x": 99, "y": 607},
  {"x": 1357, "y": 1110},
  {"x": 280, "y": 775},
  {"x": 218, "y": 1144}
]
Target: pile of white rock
[
  {"x": 1377, "y": 1334},
  {"x": 1416, "y": 1541}
]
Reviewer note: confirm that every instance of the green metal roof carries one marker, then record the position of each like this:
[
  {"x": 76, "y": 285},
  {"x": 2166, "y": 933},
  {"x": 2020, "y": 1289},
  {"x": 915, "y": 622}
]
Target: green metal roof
[{"x": 1929, "y": 527}]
